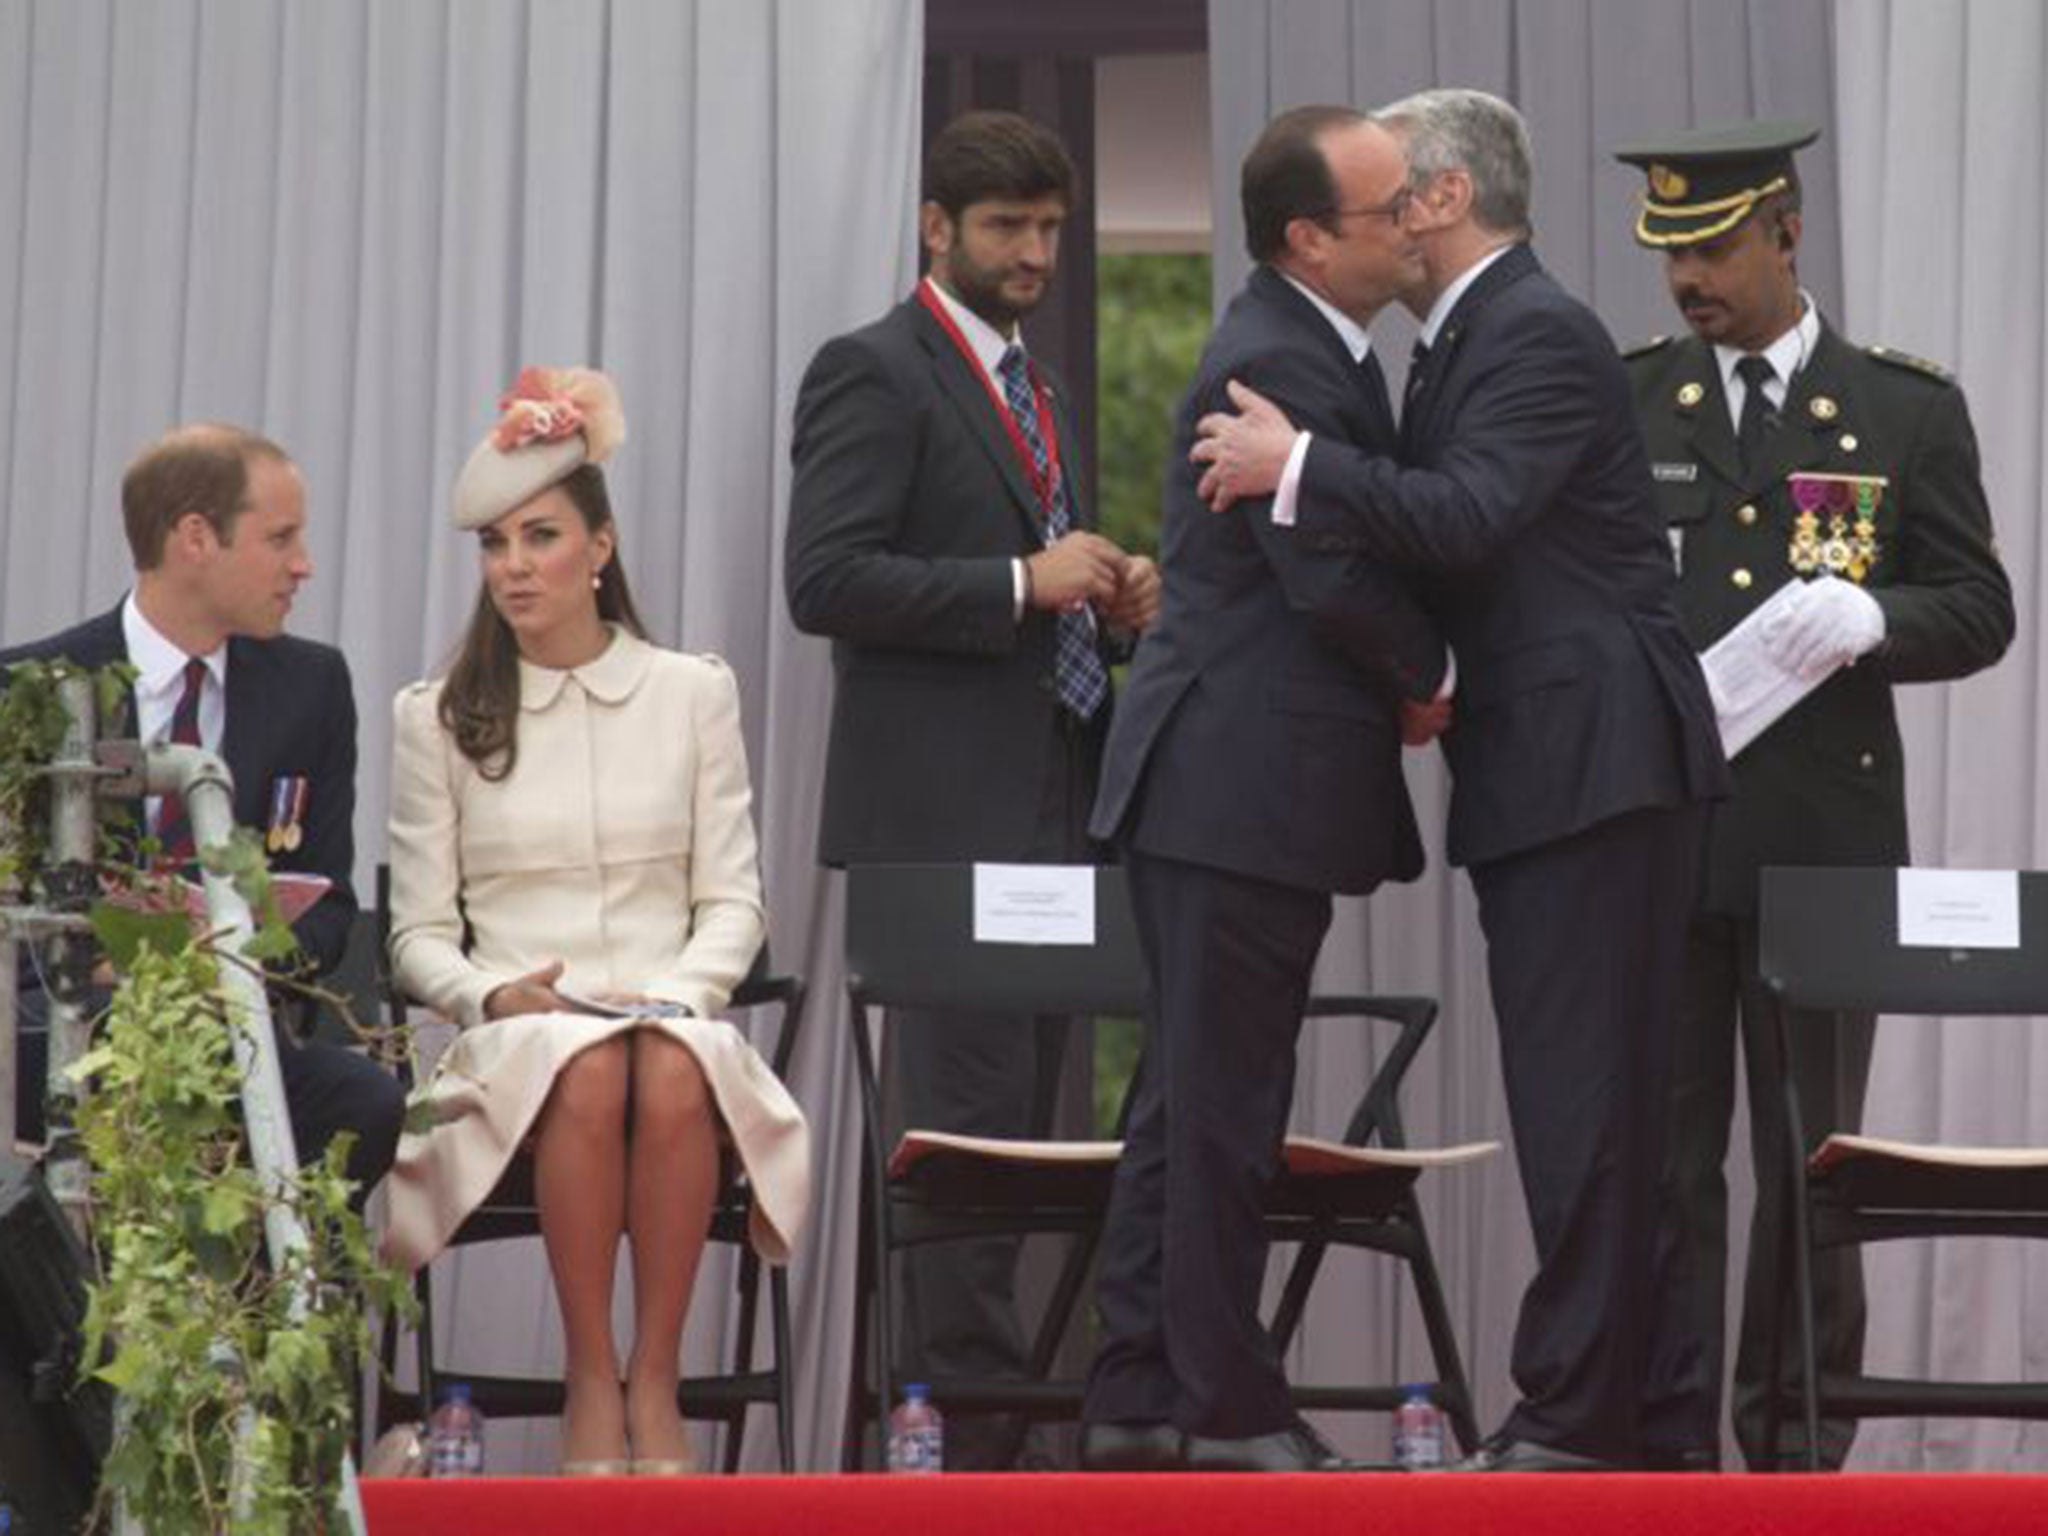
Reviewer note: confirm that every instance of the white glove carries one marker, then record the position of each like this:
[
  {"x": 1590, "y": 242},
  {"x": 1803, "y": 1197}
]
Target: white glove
[{"x": 1833, "y": 623}]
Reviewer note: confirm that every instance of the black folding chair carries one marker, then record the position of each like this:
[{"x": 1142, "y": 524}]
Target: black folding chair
[
  {"x": 910, "y": 944},
  {"x": 1829, "y": 940},
  {"x": 510, "y": 1211}
]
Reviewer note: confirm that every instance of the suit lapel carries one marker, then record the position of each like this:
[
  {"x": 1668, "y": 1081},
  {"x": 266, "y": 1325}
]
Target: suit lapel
[
  {"x": 1419, "y": 408},
  {"x": 1700, "y": 407},
  {"x": 960, "y": 381},
  {"x": 1375, "y": 410}
]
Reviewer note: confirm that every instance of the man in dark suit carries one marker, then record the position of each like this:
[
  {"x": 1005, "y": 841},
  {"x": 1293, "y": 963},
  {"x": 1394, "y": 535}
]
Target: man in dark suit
[
  {"x": 1253, "y": 768},
  {"x": 1852, "y": 471},
  {"x": 1582, "y": 749},
  {"x": 215, "y": 518},
  {"x": 937, "y": 534}
]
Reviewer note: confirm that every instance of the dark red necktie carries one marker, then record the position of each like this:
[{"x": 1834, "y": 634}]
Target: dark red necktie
[{"x": 173, "y": 826}]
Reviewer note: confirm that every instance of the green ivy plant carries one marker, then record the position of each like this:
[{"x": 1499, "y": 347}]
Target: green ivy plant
[
  {"x": 234, "y": 1374},
  {"x": 235, "y": 1403}
]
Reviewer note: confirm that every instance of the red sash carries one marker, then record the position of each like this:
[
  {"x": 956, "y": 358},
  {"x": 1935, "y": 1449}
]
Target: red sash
[{"x": 1044, "y": 486}]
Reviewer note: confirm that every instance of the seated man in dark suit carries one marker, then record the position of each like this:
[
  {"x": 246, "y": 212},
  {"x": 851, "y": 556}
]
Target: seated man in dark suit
[{"x": 215, "y": 518}]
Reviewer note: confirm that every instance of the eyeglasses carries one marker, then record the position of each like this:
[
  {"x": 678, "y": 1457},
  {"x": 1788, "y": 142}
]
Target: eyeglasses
[{"x": 1391, "y": 209}]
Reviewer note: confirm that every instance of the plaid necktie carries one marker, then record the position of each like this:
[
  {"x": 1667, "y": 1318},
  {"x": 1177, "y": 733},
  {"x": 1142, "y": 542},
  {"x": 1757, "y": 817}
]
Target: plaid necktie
[
  {"x": 173, "y": 826},
  {"x": 1755, "y": 371},
  {"x": 1078, "y": 673}
]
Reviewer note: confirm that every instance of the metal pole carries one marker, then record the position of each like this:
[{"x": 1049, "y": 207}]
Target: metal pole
[
  {"x": 202, "y": 779},
  {"x": 10, "y": 956},
  {"x": 74, "y": 831}
]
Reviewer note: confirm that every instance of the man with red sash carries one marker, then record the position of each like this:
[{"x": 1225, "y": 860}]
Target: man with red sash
[{"x": 937, "y": 534}]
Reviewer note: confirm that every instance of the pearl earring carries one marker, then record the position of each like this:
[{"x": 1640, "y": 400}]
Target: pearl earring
[{"x": 597, "y": 583}]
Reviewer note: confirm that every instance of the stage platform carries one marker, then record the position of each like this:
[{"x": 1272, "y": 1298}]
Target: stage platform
[{"x": 1359, "y": 1504}]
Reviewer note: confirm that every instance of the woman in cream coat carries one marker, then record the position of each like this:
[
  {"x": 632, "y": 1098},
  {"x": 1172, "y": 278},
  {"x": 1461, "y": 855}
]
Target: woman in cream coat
[{"x": 574, "y": 882}]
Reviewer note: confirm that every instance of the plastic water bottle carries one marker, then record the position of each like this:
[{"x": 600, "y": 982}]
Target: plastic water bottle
[
  {"x": 1418, "y": 1431},
  {"x": 455, "y": 1436},
  {"x": 917, "y": 1433}
]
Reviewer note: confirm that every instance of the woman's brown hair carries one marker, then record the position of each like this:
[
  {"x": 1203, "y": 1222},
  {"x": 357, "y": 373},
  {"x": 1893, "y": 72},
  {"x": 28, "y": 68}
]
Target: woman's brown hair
[{"x": 480, "y": 700}]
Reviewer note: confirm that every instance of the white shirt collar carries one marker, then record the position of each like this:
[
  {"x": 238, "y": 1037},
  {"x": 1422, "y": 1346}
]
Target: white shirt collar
[
  {"x": 986, "y": 342},
  {"x": 160, "y": 665},
  {"x": 1447, "y": 301},
  {"x": 1357, "y": 341},
  {"x": 1787, "y": 355}
]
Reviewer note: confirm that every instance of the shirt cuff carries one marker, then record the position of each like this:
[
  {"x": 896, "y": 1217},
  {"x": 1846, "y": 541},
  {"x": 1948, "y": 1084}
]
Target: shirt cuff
[
  {"x": 1449, "y": 685},
  {"x": 1290, "y": 483},
  {"x": 1019, "y": 585}
]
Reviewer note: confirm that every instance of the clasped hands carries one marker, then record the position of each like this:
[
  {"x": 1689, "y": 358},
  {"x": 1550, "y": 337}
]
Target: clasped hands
[{"x": 1082, "y": 569}]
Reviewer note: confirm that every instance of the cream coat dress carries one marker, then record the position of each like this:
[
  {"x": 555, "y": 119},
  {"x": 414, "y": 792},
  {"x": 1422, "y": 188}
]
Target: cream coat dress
[{"x": 621, "y": 843}]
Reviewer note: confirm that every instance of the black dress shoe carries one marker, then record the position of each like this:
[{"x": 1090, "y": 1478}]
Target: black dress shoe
[
  {"x": 1150, "y": 1447},
  {"x": 1294, "y": 1449},
  {"x": 1501, "y": 1454}
]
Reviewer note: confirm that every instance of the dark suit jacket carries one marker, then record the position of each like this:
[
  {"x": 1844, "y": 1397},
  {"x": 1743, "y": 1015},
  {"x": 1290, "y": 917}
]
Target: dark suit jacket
[
  {"x": 1523, "y": 486},
  {"x": 1258, "y": 731},
  {"x": 290, "y": 711},
  {"x": 907, "y": 508},
  {"x": 1826, "y": 784}
]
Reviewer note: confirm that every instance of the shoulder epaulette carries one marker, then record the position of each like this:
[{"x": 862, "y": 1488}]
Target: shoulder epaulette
[
  {"x": 1645, "y": 348},
  {"x": 1900, "y": 359}
]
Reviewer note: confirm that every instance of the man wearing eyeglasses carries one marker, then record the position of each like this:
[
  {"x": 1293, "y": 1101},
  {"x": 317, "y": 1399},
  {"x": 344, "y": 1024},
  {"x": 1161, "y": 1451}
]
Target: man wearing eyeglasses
[
  {"x": 1253, "y": 768},
  {"x": 1582, "y": 749}
]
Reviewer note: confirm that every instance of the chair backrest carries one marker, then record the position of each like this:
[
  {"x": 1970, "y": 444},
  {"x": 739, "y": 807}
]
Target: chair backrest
[
  {"x": 1829, "y": 938},
  {"x": 910, "y": 944}
]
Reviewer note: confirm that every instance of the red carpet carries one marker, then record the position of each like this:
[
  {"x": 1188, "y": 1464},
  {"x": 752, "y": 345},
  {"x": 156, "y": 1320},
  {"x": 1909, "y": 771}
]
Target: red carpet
[{"x": 1364, "y": 1504}]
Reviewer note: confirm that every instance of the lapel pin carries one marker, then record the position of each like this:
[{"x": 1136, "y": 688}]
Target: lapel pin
[
  {"x": 1690, "y": 395},
  {"x": 1824, "y": 408}
]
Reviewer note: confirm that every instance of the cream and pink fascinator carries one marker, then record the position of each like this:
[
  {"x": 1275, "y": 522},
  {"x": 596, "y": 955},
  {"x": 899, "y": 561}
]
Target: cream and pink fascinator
[{"x": 550, "y": 422}]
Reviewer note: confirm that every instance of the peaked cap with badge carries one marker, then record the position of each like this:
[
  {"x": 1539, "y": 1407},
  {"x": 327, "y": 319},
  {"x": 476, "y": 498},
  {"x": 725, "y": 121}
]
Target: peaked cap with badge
[{"x": 1704, "y": 182}]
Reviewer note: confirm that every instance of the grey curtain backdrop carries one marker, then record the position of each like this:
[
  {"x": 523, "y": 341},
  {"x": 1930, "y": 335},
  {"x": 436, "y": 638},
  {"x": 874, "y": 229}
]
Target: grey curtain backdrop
[
  {"x": 1912, "y": 238},
  {"x": 348, "y": 226}
]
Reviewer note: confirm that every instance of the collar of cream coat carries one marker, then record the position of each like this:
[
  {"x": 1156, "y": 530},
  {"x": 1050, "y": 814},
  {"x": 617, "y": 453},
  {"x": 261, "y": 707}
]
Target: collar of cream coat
[{"x": 609, "y": 679}]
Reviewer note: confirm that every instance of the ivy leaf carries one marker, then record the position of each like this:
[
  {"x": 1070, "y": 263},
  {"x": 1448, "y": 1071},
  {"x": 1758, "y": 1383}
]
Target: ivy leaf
[
  {"x": 124, "y": 932},
  {"x": 92, "y": 1063},
  {"x": 125, "y": 1369},
  {"x": 273, "y": 941},
  {"x": 223, "y": 1208}
]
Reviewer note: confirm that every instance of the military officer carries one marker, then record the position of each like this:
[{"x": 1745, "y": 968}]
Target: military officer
[{"x": 1784, "y": 453}]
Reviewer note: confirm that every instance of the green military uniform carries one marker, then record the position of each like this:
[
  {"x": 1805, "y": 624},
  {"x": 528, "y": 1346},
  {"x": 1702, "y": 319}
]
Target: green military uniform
[
  {"x": 1886, "y": 468},
  {"x": 1826, "y": 784}
]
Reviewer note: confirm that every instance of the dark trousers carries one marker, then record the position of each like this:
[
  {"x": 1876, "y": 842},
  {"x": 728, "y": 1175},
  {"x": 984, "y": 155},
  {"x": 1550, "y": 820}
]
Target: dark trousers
[
  {"x": 1585, "y": 941},
  {"x": 327, "y": 1089},
  {"x": 1228, "y": 962},
  {"x": 1725, "y": 999},
  {"x": 988, "y": 1074}
]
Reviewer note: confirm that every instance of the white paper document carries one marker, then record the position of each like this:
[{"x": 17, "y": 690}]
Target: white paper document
[
  {"x": 1749, "y": 689},
  {"x": 1959, "y": 908},
  {"x": 1034, "y": 904}
]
